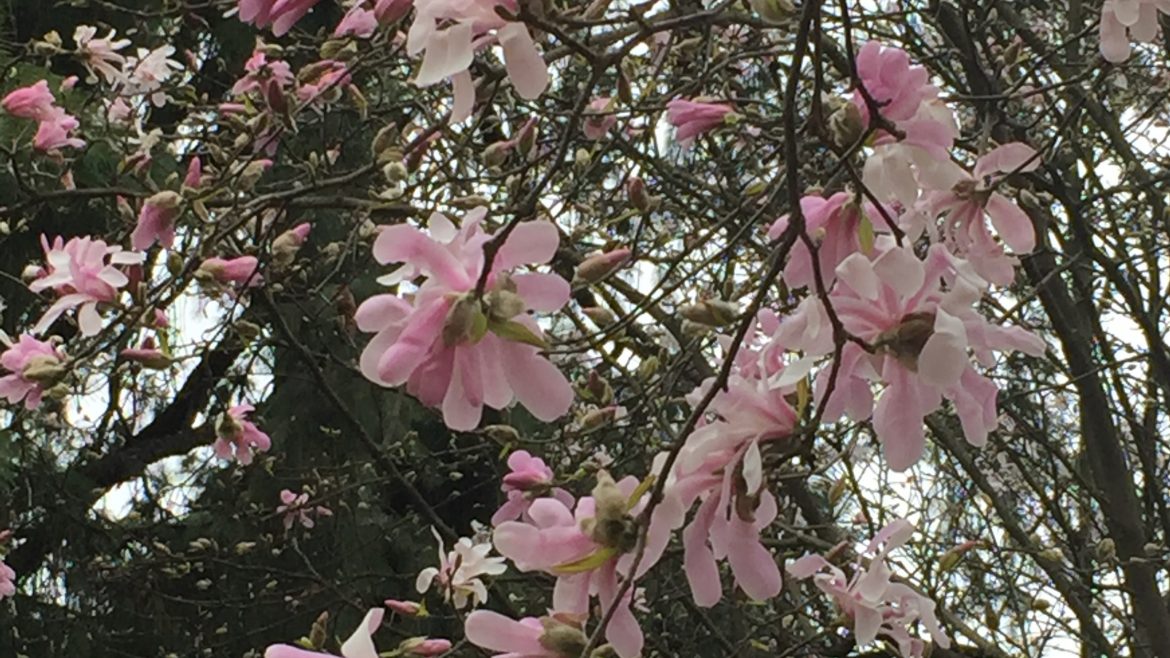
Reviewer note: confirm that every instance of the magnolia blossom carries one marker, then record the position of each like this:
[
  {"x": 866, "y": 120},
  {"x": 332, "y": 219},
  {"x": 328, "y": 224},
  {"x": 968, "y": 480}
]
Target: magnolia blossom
[
  {"x": 448, "y": 32},
  {"x": 920, "y": 333},
  {"x": 459, "y": 572},
  {"x": 240, "y": 271},
  {"x": 557, "y": 635},
  {"x": 156, "y": 221},
  {"x": 149, "y": 71},
  {"x": 83, "y": 273},
  {"x": 7, "y": 581},
  {"x": 358, "y": 21},
  {"x": 54, "y": 125},
  {"x": 972, "y": 198},
  {"x": 455, "y": 351},
  {"x": 359, "y": 645},
  {"x": 906, "y": 99},
  {"x": 326, "y": 76},
  {"x": 875, "y": 605},
  {"x": 280, "y": 14},
  {"x": 598, "y": 118},
  {"x": 1123, "y": 20},
  {"x": 263, "y": 75},
  {"x": 101, "y": 54},
  {"x": 295, "y": 509},
  {"x": 834, "y": 224},
  {"x": 529, "y": 478},
  {"x": 147, "y": 354},
  {"x": 589, "y": 549},
  {"x": 239, "y": 437},
  {"x": 693, "y": 118},
  {"x": 33, "y": 365}
]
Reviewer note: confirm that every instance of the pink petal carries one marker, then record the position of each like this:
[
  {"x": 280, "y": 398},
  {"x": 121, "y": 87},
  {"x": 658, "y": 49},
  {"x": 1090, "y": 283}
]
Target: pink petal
[
  {"x": 495, "y": 632},
  {"x": 405, "y": 244},
  {"x": 1012, "y": 223},
  {"x": 542, "y": 292},
  {"x": 756, "y": 571},
  {"x": 526, "y": 68},
  {"x": 529, "y": 243},
  {"x": 1007, "y": 158},
  {"x": 538, "y": 384}
]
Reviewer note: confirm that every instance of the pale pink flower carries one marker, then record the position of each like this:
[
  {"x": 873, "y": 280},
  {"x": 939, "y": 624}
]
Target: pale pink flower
[
  {"x": 239, "y": 437},
  {"x": 149, "y": 71},
  {"x": 359, "y": 645},
  {"x": 118, "y": 111},
  {"x": 456, "y": 352},
  {"x": 156, "y": 221},
  {"x": 965, "y": 208},
  {"x": 834, "y": 226},
  {"x": 7, "y": 580},
  {"x": 1125, "y": 20},
  {"x": 448, "y": 32},
  {"x": 898, "y": 87},
  {"x": 54, "y": 132},
  {"x": 876, "y": 606},
  {"x": 599, "y": 119},
  {"x": 240, "y": 271},
  {"x": 34, "y": 102},
  {"x": 262, "y": 74},
  {"x": 458, "y": 576},
  {"x": 83, "y": 273},
  {"x": 32, "y": 366},
  {"x": 358, "y": 21},
  {"x": 194, "y": 178},
  {"x": 280, "y": 14},
  {"x": 101, "y": 54},
  {"x": 531, "y": 637},
  {"x": 295, "y": 508},
  {"x": 693, "y": 118},
  {"x": 921, "y": 333},
  {"x": 528, "y": 479}
]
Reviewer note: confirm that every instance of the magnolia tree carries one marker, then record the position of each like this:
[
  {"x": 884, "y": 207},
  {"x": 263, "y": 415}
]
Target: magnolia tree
[{"x": 551, "y": 329}]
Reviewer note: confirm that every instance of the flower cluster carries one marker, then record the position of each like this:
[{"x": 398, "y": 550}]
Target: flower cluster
[
  {"x": 238, "y": 437},
  {"x": 295, "y": 508},
  {"x": 83, "y": 273},
  {"x": 33, "y": 366},
  {"x": 54, "y": 124},
  {"x": 459, "y": 573}
]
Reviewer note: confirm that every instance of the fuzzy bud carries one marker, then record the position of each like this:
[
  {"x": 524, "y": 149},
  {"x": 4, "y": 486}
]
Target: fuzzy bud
[
  {"x": 497, "y": 154},
  {"x": 502, "y": 434},
  {"x": 462, "y": 318},
  {"x": 598, "y": 267},
  {"x": 710, "y": 312},
  {"x": 602, "y": 317},
  {"x": 773, "y": 10}
]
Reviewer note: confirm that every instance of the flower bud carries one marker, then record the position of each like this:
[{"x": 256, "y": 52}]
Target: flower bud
[
  {"x": 710, "y": 312},
  {"x": 598, "y": 267},
  {"x": 773, "y": 10},
  {"x": 582, "y": 158},
  {"x": 497, "y": 154},
  {"x": 846, "y": 125},
  {"x": 526, "y": 139},
  {"x": 395, "y": 171},
  {"x": 595, "y": 418},
  {"x": 44, "y": 369},
  {"x": 462, "y": 319},
  {"x": 318, "y": 634},
  {"x": 502, "y": 434},
  {"x": 561, "y": 638},
  {"x": 602, "y": 317},
  {"x": 31, "y": 273},
  {"x": 287, "y": 244},
  {"x": 422, "y": 646},
  {"x": 404, "y": 608},
  {"x": 637, "y": 194},
  {"x": 387, "y": 138},
  {"x": 598, "y": 388},
  {"x": 503, "y": 305}
]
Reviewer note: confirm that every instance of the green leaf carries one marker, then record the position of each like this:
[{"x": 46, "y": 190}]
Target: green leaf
[{"x": 516, "y": 332}]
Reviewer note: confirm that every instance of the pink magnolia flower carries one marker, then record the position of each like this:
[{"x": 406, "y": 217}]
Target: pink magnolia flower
[
  {"x": 358, "y": 21},
  {"x": 452, "y": 350},
  {"x": 906, "y": 99},
  {"x": 33, "y": 365},
  {"x": 424, "y": 646},
  {"x": 834, "y": 225},
  {"x": 1123, "y": 20},
  {"x": 693, "y": 118},
  {"x": 404, "y": 608},
  {"x": 117, "y": 111},
  {"x": 240, "y": 271},
  {"x": 874, "y": 604},
  {"x": 920, "y": 332},
  {"x": 239, "y": 437},
  {"x": 598, "y": 119},
  {"x": 964, "y": 207},
  {"x": 7, "y": 580},
  {"x": 101, "y": 54},
  {"x": 558, "y": 635},
  {"x": 147, "y": 354},
  {"x": 194, "y": 178},
  {"x": 589, "y": 550},
  {"x": 33, "y": 102},
  {"x": 530, "y": 478},
  {"x": 280, "y": 14},
  {"x": 53, "y": 133},
  {"x": 359, "y": 645},
  {"x": 83, "y": 273},
  {"x": 328, "y": 76},
  {"x": 295, "y": 509},
  {"x": 156, "y": 221},
  {"x": 389, "y": 11},
  {"x": 459, "y": 573},
  {"x": 261, "y": 74},
  {"x": 448, "y": 32},
  {"x": 149, "y": 71}
]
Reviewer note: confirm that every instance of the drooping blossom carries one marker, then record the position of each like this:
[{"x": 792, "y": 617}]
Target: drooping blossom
[
  {"x": 455, "y": 351},
  {"x": 240, "y": 271},
  {"x": 458, "y": 576},
  {"x": 281, "y": 15},
  {"x": 83, "y": 272},
  {"x": 875, "y": 605},
  {"x": 238, "y": 437},
  {"x": 54, "y": 124},
  {"x": 590, "y": 550},
  {"x": 557, "y": 635},
  {"x": 920, "y": 321},
  {"x": 101, "y": 54},
  {"x": 448, "y": 32},
  {"x": 598, "y": 119},
  {"x": 693, "y": 118},
  {"x": 529, "y": 478},
  {"x": 33, "y": 365},
  {"x": 1123, "y": 21},
  {"x": 295, "y": 509},
  {"x": 965, "y": 209},
  {"x": 156, "y": 221},
  {"x": 359, "y": 645},
  {"x": 721, "y": 465}
]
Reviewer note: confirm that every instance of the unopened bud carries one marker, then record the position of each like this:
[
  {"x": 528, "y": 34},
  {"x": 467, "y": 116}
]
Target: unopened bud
[
  {"x": 595, "y": 418},
  {"x": 598, "y": 388},
  {"x": 423, "y": 646},
  {"x": 561, "y": 638},
  {"x": 497, "y": 154},
  {"x": 502, "y": 434},
  {"x": 1053, "y": 554},
  {"x": 167, "y": 200},
  {"x": 44, "y": 369},
  {"x": 1107, "y": 550},
  {"x": 526, "y": 140},
  {"x": 582, "y": 158},
  {"x": 711, "y": 312},
  {"x": 319, "y": 633},
  {"x": 388, "y": 137},
  {"x": 31, "y": 273},
  {"x": 601, "y": 317},
  {"x": 404, "y": 608},
  {"x": 773, "y": 10},
  {"x": 395, "y": 172},
  {"x": 462, "y": 319},
  {"x": 636, "y": 192},
  {"x": 846, "y": 125},
  {"x": 503, "y": 305},
  {"x": 598, "y": 267}
]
